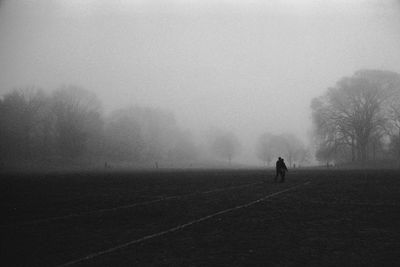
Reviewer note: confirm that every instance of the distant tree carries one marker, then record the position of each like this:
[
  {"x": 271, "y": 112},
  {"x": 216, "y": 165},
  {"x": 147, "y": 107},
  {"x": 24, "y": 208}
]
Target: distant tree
[
  {"x": 158, "y": 128},
  {"x": 21, "y": 122},
  {"x": 292, "y": 147},
  {"x": 303, "y": 155},
  {"x": 184, "y": 147},
  {"x": 393, "y": 116},
  {"x": 352, "y": 115},
  {"x": 77, "y": 119},
  {"x": 123, "y": 136},
  {"x": 68, "y": 124},
  {"x": 271, "y": 146},
  {"x": 147, "y": 134},
  {"x": 225, "y": 145},
  {"x": 264, "y": 149}
]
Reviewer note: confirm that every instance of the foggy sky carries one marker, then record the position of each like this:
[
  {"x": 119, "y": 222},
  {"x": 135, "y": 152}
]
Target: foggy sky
[{"x": 245, "y": 66}]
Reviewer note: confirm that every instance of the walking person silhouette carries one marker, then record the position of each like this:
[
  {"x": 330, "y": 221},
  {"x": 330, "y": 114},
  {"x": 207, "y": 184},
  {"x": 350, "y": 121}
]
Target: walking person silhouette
[{"x": 281, "y": 169}]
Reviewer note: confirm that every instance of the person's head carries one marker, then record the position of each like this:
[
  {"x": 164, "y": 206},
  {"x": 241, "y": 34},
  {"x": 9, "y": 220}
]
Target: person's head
[{"x": 279, "y": 158}]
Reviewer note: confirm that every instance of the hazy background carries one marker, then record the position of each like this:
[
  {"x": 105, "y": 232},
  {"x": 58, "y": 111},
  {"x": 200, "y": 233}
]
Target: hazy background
[{"x": 245, "y": 66}]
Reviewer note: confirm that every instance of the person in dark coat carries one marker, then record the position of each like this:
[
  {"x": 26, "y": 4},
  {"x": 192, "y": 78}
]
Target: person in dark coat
[{"x": 281, "y": 169}]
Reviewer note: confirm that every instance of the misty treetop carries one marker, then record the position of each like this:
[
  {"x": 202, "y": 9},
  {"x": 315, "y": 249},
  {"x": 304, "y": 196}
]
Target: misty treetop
[
  {"x": 359, "y": 118},
  {"x": 69, "y": 124}
]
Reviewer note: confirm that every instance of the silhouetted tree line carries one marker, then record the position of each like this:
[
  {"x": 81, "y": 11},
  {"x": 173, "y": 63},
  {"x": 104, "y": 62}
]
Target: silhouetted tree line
[
  {"x": 359, "y": 118},
  {"x": 69, "y": 124}
]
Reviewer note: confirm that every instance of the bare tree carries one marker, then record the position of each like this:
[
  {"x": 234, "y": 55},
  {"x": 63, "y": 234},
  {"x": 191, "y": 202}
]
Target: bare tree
[
  {"x": 352, "y": 114},
  {"x": 123, "y": 137},
  {"x": 21, "y": 121},
  {"x": 393, "y": 122},
  {"x": 78, "y": 119},
  {"x": 265, "y": 149},
  {"x": 271, "y": 146},
  {"x": 146, "y": 134},
  {"x": 158, "y": 128},
  {"x": 184, "y": 148},
  {"x": 225, "y": 145}
]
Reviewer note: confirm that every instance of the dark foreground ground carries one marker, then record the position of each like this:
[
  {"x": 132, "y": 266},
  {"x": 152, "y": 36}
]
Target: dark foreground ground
[{"x": 348, "y": 218}]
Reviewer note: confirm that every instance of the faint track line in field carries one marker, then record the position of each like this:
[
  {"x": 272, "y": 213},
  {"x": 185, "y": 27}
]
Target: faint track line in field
[
  {"x": 75, "y": 215},
  {"x": 353, "y": 203},
  {"x": 179, "y": 227}
]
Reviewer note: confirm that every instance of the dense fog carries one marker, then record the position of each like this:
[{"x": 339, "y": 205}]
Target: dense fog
[{"x": 199, "y": 83}]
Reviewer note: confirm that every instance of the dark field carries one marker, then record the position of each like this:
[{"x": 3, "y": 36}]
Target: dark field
[{"x": 348, "y": 218}]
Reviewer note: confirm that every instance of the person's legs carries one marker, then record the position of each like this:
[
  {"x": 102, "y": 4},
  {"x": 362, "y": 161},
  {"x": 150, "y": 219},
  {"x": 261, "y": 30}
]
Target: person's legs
[{"x": 282, "y": 176}]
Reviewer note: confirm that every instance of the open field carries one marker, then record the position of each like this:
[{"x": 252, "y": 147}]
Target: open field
[{"x": 201, "y": 218}]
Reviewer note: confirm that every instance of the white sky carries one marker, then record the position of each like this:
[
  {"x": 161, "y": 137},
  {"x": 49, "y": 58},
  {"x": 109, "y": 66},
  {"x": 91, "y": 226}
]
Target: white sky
[{"x": 246, "y": 66}]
